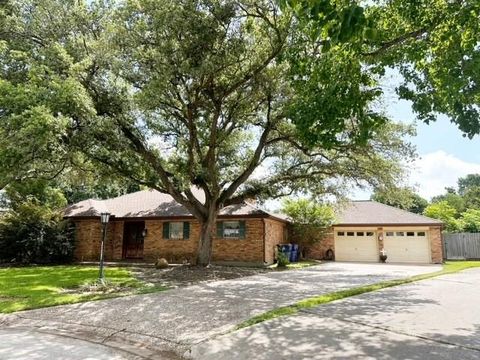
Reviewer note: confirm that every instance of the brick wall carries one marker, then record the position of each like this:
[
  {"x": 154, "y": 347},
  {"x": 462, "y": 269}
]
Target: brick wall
[
  {"x": 436, "y": 244},
  {"x": 275, "y": 233},
  {"x": 88, "y": 236},
  {"x": 318, "y": 250},
  {"x": 249, "y": 249},
  {"x": 174, "y": 250}
]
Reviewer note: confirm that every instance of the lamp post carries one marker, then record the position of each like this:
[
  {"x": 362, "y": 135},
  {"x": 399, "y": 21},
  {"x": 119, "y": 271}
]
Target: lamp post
[{"x": 104, "y": 217}]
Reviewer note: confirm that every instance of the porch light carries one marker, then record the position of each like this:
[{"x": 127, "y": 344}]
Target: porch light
[
  {"x": 144, "y": 232},
  {"x": 104, "y": 218}
]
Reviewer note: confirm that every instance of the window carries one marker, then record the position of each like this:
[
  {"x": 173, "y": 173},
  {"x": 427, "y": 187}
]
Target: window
[
  {"x": 350, "y": 233},
  {"x": 369, "y": 233},
  {"x": 389, "y": 233},
  {"x": 410, "y": 233},
  {"x": 421, "y": 233},
  {"x": 360, "y": 233},
  {"x": 231, "y": 229},
  {"x": 340, "y": 233},
  {"x": 176, "y": 230},
  {"x": 400, "y": 233}
]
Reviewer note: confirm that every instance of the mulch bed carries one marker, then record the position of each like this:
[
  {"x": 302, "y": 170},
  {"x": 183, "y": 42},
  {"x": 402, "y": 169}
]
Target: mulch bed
[{"x": 186, "y": 275}]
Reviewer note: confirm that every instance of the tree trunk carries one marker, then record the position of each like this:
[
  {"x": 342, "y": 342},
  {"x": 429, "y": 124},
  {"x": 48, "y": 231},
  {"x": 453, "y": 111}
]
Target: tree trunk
[{"x": 207, "y": 227}]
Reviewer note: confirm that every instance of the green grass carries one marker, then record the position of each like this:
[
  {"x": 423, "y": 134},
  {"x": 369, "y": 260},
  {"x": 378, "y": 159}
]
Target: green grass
[
  {"x": 450, "y": 267},
  {"x": 296, "y": 265},
  {"x": 23, "y": 288}
]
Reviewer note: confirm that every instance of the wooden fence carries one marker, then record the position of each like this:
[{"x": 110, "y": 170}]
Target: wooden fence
[{"x": 461, "y": 246}]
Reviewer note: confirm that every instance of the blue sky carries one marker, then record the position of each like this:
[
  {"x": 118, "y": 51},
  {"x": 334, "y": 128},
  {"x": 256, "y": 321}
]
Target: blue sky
[{"x": 444, "y": 154}]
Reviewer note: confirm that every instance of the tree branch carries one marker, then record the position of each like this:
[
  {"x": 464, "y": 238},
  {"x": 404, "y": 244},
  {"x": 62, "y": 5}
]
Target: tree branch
[{"x": 397, "y": 41}]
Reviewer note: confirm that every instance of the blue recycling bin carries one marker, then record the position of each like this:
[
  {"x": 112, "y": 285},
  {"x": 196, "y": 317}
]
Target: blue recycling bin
[
  {"x": 287, "y": 250},
  {"x": 294, "y": 253}
]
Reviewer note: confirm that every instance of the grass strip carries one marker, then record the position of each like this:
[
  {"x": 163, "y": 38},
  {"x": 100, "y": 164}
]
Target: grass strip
[
  {"x": 449, "y": 268},
  {"x": 296, "y": 265}
]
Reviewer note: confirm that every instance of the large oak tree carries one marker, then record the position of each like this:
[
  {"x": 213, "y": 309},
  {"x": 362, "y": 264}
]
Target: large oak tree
[{"x": 238, "y": 98}]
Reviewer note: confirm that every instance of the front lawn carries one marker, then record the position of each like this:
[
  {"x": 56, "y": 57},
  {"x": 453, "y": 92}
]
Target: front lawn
[{"x": 24, "y": 288}]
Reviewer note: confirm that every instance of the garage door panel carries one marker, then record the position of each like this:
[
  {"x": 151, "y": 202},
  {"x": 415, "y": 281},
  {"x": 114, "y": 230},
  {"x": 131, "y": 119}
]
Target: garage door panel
[
  {"x": 403, "y": 248},
  {"x": 355, "y": 247}
]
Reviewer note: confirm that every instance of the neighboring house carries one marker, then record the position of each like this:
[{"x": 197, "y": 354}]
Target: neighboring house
[
  {"x": 364, "y": 228},
  {"x": 148, "y": 224}
]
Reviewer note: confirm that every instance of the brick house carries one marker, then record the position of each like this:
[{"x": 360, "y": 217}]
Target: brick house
[{"x": 146, "y": 225}]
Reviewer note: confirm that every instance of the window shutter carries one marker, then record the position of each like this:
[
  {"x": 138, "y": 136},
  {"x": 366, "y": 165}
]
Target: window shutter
[
  {"x": 186, "y": 230},
  {"x": 166, "y": 230},
  {"x": 219, "y": 229},
  {"x": 242, "y": 229}
]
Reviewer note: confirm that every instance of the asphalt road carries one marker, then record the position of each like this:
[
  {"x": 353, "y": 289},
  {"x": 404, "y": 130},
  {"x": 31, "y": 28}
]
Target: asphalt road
[{"x": 431, "y": 319}]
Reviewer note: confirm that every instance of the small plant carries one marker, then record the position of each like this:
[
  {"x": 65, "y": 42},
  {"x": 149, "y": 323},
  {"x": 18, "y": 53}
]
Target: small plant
[
  {"x": 161, "y": 263},
  {"x": 383, "y": 255},
  {"x": 282, "y": 259}
]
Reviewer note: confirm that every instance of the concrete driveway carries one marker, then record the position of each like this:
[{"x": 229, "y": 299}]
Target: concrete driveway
[
  {"x": 174, "y": 320},
  {"x": 436, "y": 319}
]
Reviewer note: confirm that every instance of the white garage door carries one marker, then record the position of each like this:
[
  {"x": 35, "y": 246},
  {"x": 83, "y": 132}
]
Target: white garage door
[
  {"x": 355, "y": 246},
  {"x": 407, "y": 246}
]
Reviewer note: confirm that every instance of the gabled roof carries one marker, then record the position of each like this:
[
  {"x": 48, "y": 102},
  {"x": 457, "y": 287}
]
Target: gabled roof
[
  {"x": 152, "y": 203},
  {"x": 373, "y": 213}
]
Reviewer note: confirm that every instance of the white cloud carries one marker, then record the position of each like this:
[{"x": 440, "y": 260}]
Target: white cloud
[{"x": 436, "y": 170}]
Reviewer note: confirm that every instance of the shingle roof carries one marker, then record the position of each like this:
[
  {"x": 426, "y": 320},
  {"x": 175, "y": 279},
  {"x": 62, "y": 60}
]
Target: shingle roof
[
  {"x": 152, "y": 203},
  {"x": 374, "y": 213}
]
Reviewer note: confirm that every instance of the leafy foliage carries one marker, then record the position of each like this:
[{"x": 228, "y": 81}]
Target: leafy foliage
[
  {"x": 282, "y": 259},
  {"x": 433, "y": 44},
  {"x": 310, "y": 221},
  {"x": 33, "y": 231},
  {"x": 444, "y": 212},
  {"x": 171, "y": 95},
  {"x": 465, "y": 201},
  {"x": 470, "y": 220},
  {"x": 401, "y": 197}
]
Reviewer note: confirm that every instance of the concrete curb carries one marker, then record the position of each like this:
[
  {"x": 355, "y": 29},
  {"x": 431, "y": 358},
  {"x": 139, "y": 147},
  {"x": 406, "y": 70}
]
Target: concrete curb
[{"x": 140, "y": 345}]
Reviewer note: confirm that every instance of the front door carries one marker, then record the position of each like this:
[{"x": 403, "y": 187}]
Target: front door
[{"x": 133, "y": 240}]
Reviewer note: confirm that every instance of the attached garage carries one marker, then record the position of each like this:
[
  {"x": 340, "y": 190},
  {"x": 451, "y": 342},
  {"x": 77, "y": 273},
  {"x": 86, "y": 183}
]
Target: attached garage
[
  {"x": 407, "y": 246},
  {"x": 365, "y": 228},
  {"x": 356, "y": 246}
]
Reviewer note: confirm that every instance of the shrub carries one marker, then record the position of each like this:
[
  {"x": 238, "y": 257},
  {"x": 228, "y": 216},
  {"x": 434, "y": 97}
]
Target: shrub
[
  {"x": 282, "y": 259},
  {"x": 32, "y": 233}
]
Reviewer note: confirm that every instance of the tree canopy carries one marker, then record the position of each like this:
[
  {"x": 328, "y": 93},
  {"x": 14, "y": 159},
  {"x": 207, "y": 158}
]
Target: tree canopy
[
  {"x": 401, "y": 197},
  {"x": 459, "y": 207},
  {"x": 432, "y": 43},
  {"x": 238, "y": 98},
  {"x": 443, "y": 211}
]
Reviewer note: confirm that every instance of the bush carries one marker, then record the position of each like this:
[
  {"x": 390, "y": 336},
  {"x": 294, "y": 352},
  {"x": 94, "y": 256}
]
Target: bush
[
  {"x": 33, "y": 233},
  {"x": 282, "y": 259}
]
